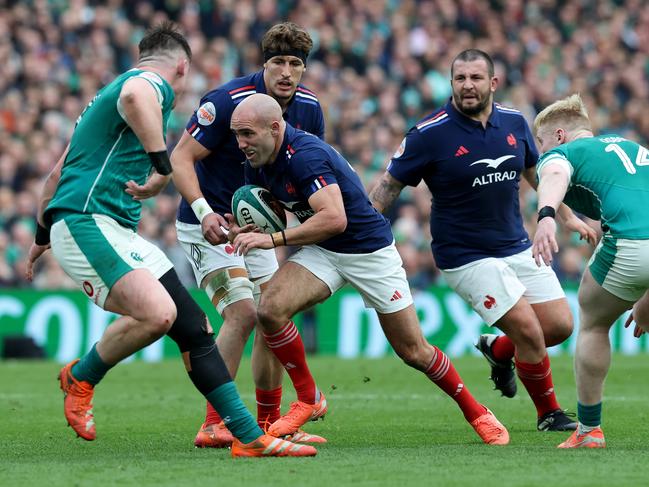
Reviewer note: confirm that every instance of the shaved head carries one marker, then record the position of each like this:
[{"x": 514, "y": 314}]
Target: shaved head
[
  {"x": 258, "y": 108},
  {"x": 259, "y": 127}
]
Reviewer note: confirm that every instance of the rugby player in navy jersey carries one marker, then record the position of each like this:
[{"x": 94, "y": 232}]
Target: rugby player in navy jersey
[
  {"x": 343, "y": 240},
  {"x": 208, "y": 168},
  {"x": 471, "y": 154}
]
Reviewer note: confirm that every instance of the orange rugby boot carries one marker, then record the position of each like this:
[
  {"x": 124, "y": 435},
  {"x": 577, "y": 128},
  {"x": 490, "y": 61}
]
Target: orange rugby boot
[
  {"x": 303, "y": 437},
  {"x": 592, "y": 439},
  {"x": 269, "y": 446},
  {"x": 490, "y": 429},
  {"x": 298, "y": 414},
  {"x": 215, "y": 435},
  {"x": 77, "y": 403}
]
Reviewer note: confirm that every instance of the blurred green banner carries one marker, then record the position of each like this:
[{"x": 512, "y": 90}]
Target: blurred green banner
[{"x": 67, "y": 324}]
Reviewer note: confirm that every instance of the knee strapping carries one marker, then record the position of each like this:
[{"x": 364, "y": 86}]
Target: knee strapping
[
  {"x": 229, "y": 286},
  {"x": 206, "y": 368},
  {"x": 190, "y": 330},
  {"x": 202, "y": 359}
]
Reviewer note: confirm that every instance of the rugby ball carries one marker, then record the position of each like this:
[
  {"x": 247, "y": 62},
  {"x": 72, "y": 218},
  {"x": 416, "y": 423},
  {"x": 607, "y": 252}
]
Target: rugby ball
[{"x": 256, "y": 205}]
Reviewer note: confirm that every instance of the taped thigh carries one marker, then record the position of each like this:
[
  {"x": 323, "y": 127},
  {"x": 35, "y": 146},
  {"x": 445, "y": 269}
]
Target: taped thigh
[{"x": 229, "y": 286}]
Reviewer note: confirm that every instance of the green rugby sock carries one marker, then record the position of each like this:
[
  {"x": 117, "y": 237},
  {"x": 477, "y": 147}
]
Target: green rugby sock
[
  {"x": 91, "y": 368},
  {"x": 237, "y": 418},
  {"x": 589, "y": 415}
]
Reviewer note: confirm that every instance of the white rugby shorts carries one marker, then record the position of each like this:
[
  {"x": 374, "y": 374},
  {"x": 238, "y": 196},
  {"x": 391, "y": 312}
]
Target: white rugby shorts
[
  {"x": 492, "y": 286},
  {"x": 96, "y": 251},
  {"x": 378, "y": 276},
  {"x": 205, "y": 257}
]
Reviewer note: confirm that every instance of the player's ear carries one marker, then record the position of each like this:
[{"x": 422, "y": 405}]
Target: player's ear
[
  {"x": 182, "y": 67},
  {"x": 494, "y": 83}
]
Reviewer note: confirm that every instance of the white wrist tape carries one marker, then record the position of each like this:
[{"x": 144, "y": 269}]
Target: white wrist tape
[{"x": 201, "y": 208}]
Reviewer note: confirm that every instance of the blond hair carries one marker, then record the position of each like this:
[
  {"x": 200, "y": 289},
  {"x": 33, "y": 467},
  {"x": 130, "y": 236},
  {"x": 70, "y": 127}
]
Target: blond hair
[{"x": 570, "y": 113}]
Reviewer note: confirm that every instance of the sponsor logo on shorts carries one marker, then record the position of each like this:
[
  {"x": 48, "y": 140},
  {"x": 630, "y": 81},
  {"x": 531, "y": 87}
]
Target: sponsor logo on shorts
[
  {"x": 196, "y": 255},
  {"x": 88, "y": 289},
  {"x": 490, "y": 302},
  {"x": 229, "y": 249},
  {"x": 396, "y": 296},
  {"x": 136, "y": 257}
]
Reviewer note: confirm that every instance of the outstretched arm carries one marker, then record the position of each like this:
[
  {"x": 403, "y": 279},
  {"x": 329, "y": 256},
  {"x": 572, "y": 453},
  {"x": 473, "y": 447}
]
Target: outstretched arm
[
  {"x": 568, "y": 219},
  {"x": 385, "y": 192},
  {"x": 552, "y": 188}
]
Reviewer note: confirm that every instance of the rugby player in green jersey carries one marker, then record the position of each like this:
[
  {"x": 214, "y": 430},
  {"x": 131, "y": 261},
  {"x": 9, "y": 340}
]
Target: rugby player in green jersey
[
  {"x": 606, "y": 178},
  {"x": 90, "y": 210}
]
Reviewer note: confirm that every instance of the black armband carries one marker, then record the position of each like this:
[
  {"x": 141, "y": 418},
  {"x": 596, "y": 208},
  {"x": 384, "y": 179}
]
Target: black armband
[
  {"x": 42, "y": 236},
  {"x": 545, "y": 211},
  {"x": 161, "y": 162}
]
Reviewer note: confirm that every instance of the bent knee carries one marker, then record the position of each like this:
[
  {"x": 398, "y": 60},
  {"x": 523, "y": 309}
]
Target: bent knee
[
  {"x": 528, "y": 334},
  {"x": 558, "y": 332},
  {"x": 240, "y": 319},
  {"x": 268, "y": 315},
  {"x": 160, "y": 320}
]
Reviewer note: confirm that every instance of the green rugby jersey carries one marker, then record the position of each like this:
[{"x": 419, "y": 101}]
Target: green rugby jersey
[
  {"x": 104, "y": 154},
  {"x": 609, "y": 181}
]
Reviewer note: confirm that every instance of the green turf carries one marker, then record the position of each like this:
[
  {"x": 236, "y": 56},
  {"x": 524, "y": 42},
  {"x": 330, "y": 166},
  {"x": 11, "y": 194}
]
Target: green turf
[{"x": 387, "y": 426}]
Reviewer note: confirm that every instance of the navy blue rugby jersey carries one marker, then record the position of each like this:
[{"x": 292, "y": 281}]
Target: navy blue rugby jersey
[
  {"x": 473, "y": 173},
  {"x": 221, "y": 173},
  {"x": 306, "y": 164}
]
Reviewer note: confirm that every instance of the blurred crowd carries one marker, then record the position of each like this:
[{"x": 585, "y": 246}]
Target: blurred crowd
[{"x": 377, "y": 67}]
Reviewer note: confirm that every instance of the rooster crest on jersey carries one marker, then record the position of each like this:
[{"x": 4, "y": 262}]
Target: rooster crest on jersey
[{"x": 256, "y": 205}]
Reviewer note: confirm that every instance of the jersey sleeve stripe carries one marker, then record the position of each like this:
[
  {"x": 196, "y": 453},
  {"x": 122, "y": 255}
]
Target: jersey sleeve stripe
[
  {"x": 243, "y": 94},
  {"x": 303, "y": 95},
  {"x": 248, "y": 87},
  {"x": 501, "y": 108},
  {"x": 438, "y": 120},
  {"x": 432, "y": 119},
  {"x": 304, "y": 90}
]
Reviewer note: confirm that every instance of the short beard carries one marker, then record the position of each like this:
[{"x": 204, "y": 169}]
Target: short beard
[{"x": 474, "y": 110}]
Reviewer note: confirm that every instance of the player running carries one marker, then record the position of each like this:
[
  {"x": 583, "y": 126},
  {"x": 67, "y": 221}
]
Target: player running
[
  {"x": 88, "y": 203},
  {"x": 471, "y": 154},
  {"x": 605, "y": 178},
  {"x": 343, "y": 240},
  {"x": 208, "y": 169}
]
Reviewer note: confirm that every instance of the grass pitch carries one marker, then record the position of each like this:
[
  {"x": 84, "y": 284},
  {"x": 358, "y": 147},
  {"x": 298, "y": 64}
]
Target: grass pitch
[{"x": 387, "y": 426}]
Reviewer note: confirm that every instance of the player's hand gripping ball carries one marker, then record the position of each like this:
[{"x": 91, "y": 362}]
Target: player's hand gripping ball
[{"x": 256, "y": 205}]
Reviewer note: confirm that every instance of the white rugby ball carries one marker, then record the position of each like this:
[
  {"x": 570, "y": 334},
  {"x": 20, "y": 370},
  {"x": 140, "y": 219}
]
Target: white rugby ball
[{"x": 256, "y": 205}]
